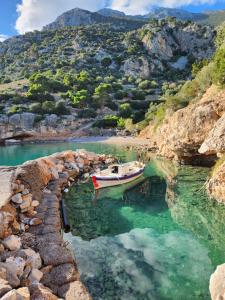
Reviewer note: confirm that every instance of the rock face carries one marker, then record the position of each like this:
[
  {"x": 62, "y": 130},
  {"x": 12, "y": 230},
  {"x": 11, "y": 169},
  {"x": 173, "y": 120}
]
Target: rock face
[
  {"x": 25, "y": 125},
  {"x": 182, "y": 135},
  {"x": 79, "y": 17},
  {"x": 6, "y": 179},
  {"x": 216, "y": 184},
  {"x": 140, "y": 67},
  {"x": 217, "y": 287},
  {"x": 172, "y": 41},
  {"x": 215, "y": 142}
]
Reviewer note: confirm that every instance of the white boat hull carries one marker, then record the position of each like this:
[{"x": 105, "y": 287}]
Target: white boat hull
[{"x": 99, "y": 184}]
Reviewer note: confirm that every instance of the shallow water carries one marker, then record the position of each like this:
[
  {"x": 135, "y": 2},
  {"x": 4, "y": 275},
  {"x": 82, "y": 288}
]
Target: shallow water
[
  {"x": 18, "y": 154},
  {"x": 160, "y": 239},
  {"x": 157, "y": 239}
]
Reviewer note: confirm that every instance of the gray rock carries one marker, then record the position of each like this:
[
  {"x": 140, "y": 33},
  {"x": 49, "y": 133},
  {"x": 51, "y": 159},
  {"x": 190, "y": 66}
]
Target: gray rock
[
  {"x": 32, "y": 258},
  {"x": 35, "y": 276},
  {"x": 10, "y": 275},
  {"x": 55, "y": 255},
  {"x": 215, "y": 142},
  {"x": 60, "y": 275},
  {"x": 137, "y": 67},
  {"x": 4, "y": 287},
  {"x": 12, "y": 242},
  {"x": 39, "y": 292},
  {"x": 74, "y": 290},
  {"x": 17, "y": 199}
]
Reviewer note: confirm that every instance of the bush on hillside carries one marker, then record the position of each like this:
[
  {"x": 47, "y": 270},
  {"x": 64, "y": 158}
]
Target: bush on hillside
[
  {"x": 125, "y": 110},
  {"x": 219, "y": 61},
  {"x": 110, "y": 121},
  {"x": 87, "y": 113}
]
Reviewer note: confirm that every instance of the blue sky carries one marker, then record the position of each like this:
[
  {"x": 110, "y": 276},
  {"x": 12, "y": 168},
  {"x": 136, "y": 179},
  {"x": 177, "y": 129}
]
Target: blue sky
[{"x": 33, "y": 14}]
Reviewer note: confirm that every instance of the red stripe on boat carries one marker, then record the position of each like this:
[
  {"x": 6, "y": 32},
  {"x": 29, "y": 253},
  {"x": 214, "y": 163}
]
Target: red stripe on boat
[{"x": 95, "y": 183}]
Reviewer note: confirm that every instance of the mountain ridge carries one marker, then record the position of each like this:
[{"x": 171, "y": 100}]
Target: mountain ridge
[{"x": 80, "y": 17}]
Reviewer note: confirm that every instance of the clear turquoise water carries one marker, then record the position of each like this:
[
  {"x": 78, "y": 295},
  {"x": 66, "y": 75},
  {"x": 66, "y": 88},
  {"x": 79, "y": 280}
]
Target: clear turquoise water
[
  {"x": 158, "y": 239},
  {"x": 14, "y": 155}
]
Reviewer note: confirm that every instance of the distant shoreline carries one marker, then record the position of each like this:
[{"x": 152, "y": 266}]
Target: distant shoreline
[{"x": 111, "y": 140}]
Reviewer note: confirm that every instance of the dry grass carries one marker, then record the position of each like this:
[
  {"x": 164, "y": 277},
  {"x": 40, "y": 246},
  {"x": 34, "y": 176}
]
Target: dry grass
[{"x": 13, "y": 86}]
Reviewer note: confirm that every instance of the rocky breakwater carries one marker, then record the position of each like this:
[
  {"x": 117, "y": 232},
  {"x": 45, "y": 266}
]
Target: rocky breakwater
[{"x": 35, "y": 262}]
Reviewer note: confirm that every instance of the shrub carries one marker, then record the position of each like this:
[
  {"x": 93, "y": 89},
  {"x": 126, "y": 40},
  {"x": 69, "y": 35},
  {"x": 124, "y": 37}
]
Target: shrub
[
  {"x": 138, "y": 94},
  {"x": 144, "y": 85},
  {"x": 35, "y": 108},
  {"x": 218, "y": 164},
  {"x": 112, "y": 105},
  {"x": 79, "y": 98},
  {"x": 15, "y": 109},
  {"x": 109, "y": 121},
  {"x": 197, "y": 66},
  {"x": 121, "y": 123},
  {"x": 219, "y": 61},
  {"x": 139, "y": 105},
  {"x": 125, "y": 110},
  {"x": 101, "y": 95},
  {"x": 106, "y": 61},
  {"x": 138, "y": 116},
  {"x": 61, "y": 109},
  {"x": 119, "y": 95},
  {"x": 48, "y": 107},
  {"x": 87, "y": 113}
]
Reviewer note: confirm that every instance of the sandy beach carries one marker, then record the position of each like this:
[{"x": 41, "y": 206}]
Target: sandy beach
[{"x": 114, "y": 140}]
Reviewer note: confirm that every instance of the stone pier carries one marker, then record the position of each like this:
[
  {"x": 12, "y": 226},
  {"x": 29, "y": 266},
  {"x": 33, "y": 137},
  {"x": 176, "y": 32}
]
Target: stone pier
[{"x": 35, "y": 262}]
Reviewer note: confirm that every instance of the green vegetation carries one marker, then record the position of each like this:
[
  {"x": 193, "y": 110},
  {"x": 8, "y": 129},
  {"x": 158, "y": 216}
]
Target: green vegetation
[
  {"x": 90, "y": 69},
  {"x": 110, "y": 121},
  {"x": 218, "y": 164}
]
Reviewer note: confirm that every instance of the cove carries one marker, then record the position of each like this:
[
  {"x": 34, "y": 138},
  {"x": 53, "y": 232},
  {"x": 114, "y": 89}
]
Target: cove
[{"x": 159, "y": 239}]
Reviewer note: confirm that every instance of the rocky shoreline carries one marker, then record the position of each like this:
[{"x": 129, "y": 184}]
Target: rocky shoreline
[{"x": 35, "y": 262}]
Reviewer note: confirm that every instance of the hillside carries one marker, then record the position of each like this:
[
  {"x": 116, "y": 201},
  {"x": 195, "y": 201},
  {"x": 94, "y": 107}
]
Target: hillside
[
  {"x": 214, "y": 18},
  {"x": 98, "y": 70},
  {"x": 189, "y": 125}
]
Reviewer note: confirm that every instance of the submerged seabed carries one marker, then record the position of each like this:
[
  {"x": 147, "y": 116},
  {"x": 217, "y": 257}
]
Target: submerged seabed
[{"x": 159, "y": 240}]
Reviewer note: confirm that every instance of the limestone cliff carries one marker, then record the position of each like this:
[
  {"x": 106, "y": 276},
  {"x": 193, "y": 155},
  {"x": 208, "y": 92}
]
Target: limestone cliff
[
  {"x": 28, "y": 125},
  {"x": 194, "y": 132},
  {"x": 216, "y": 184}
]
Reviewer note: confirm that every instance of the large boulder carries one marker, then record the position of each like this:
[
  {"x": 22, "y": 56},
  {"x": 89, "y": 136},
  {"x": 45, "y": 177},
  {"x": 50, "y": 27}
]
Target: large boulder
[
  {"x": 216, "y": 184},
  {"x": 215, "y": 142},
  {"x": 217, "y": 283},
  {"x": 6, "y": 179},
  {"x": 39, "y": 291},
  {"x": 4, "y": 287},
  {"x": 137, "y": 67},
  {"x": 12, "y": 242},
  {"x": 74, "y": 290}
]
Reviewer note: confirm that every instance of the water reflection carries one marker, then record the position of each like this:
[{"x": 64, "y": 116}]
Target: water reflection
[
  {"x": 152, "y": 240},
  {"x": 117, "y": 210},
  {"x": 144, "y": 265}
]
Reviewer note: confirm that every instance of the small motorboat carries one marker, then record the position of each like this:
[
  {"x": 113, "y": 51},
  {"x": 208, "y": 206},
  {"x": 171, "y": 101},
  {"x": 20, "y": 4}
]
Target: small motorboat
[{"x": 118, "y": 174}]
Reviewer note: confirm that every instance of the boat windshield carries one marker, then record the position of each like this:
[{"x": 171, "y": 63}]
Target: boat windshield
[{"x": 115, "y": 169}]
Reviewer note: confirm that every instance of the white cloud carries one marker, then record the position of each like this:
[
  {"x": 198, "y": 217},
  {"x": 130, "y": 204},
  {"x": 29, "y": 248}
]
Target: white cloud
[
  {"x": 134, "y": 7},
  {"x": 3, "y": 37},
  {"x": 34, "y": 14}
]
